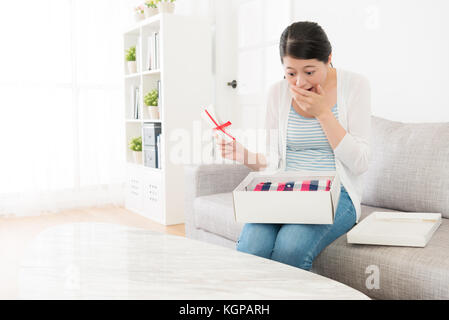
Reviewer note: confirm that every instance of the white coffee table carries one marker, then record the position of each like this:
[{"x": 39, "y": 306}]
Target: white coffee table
[{"x": 106, "y": 261}]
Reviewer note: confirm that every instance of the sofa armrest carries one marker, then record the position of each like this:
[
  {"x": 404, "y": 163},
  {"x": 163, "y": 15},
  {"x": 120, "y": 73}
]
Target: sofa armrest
[{"x": 206, "y": 179}]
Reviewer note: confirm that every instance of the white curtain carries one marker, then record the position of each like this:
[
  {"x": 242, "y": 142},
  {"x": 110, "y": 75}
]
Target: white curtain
[{"x": 61, "y": 104}]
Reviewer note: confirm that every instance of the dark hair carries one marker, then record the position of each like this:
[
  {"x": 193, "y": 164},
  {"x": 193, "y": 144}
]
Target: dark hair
[{"x": 305, "y": 40}]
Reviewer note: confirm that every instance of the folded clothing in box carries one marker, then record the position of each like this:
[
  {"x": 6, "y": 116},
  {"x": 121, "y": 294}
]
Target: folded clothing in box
[{"x": 305, "y": 185}]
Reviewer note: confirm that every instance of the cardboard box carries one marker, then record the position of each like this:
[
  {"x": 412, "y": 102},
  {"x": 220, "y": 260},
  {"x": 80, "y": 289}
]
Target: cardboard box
[
  {"x": 308, "y": 207},
  {"x": 411, "y": 229}
]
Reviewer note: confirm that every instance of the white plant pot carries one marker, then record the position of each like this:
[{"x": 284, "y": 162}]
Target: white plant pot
[
  {"x": 153, "y": 112},
  {"x": 137, "y": 155},
  {"x": 149, "y": 12},
  {"x": 132, "y": 67},
  {"x": 167, "y": 7},
  {"x": 139, "y": 16}
]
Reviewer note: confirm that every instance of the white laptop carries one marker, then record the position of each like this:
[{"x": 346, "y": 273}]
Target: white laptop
[{"x": 413, "y": 229}]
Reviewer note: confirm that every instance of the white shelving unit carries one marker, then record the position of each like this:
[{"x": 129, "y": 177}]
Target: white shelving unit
[{"x": 186, "y": 85}]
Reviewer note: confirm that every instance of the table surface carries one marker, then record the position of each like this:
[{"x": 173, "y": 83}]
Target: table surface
[{"x": 107, "y": 261}]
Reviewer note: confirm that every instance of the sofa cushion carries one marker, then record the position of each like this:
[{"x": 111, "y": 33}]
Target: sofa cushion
[
  {"x": 409, "y": 168},
  {"x": 215, "y": 214},
  {"x": 404, "y": 272}
]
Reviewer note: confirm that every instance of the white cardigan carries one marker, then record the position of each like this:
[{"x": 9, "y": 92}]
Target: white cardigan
[{"x": 352, "y": 155}]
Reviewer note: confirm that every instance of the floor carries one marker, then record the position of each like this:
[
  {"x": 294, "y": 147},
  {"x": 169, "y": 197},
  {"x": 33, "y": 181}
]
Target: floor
[{"x": 17, "y": 232}]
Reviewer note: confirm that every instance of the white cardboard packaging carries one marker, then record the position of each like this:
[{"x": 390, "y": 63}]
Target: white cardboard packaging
[
  {"x": 307, "y": 207},
  {"x": 411, "y": 229}
]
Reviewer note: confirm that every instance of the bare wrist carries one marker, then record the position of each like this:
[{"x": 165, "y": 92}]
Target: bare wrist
[{"x": 325, "y": 115}]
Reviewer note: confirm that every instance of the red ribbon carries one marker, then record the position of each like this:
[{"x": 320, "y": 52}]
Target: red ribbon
[{"x": 220, "y": 127}]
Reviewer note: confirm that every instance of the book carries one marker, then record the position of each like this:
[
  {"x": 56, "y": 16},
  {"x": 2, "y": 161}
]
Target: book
[
  {"x": 136, "y": 102},
  {"x": 153, "y": 51},
  {"x": 156, "y": 50},
  {"x": 133, "y": 102},
  {"x": 150, "y": 52},
  {"x": 413, "y": 229},
  {"x": 158, "y": 147}
]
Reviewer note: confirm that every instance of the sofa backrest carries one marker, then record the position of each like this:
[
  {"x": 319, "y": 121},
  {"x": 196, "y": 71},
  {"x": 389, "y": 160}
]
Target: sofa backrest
[{"x": 409, "y": 168}]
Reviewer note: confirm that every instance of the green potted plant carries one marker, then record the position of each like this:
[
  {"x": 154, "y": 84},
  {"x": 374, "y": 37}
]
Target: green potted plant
[
  {"x": 139, "y": 13},
  {"x": 167, "y": 6},
  {"x": 135, "y": 145},
  {"x": 151, "y": 101},
  {"x": 151, "y": 8},
  {"x": 130, "y": 56}
]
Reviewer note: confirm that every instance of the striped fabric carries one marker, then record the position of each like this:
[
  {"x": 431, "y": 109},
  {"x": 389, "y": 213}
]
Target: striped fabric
[
  {"x": 307, "y": 144},
  {"x": 305, "y": 185}
]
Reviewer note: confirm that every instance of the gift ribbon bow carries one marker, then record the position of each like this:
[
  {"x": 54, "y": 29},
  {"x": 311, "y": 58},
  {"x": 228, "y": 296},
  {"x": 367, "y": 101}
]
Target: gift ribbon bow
[{"x": 220, "y": 127}]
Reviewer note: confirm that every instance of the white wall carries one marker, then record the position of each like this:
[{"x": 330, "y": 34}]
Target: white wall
[{"x": 401, "y": 46}]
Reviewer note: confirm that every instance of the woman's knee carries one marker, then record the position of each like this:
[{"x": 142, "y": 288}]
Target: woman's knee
[
  {"x": 298, "y": 255},
  {"x": 258, "y": 239},
  {"x": 295, "y": 243}
]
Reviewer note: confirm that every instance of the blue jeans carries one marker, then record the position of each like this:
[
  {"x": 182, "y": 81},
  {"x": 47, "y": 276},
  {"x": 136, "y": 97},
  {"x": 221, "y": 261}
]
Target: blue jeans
[{"x": 297, "y": 244}]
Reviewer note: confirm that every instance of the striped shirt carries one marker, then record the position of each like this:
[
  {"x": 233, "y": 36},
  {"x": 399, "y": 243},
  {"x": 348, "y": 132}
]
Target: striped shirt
[{"x": 307, "y": 144}]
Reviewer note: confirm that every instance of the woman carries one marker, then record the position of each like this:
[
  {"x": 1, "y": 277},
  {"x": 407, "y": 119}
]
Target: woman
[{"x": 318, "y": 119}]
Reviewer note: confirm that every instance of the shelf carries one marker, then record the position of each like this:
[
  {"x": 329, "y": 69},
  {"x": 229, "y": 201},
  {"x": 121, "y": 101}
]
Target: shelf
[
  {"x": 142, "y": 120},
  {"x": 152, "y": 169},
  {"x": 153, "y": 21},
  {"x": 134, "y": 75},
  {"x": 151, "y": 120},
  {"x": 145, "y": 73},
  {"x": 151, "y": 72},
  {"x": 152, "y": 192},
  {"x": 135, "y": 29},
  {"x": 136, "y": 165}
]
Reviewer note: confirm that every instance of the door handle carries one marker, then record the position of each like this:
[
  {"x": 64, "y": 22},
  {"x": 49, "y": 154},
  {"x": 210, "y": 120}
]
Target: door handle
[{"x": 233, "y": 84}]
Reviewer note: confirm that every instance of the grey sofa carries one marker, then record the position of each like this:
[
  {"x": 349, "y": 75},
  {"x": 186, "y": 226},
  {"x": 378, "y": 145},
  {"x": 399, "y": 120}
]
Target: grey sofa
[{"x": 409, "y": 172}]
